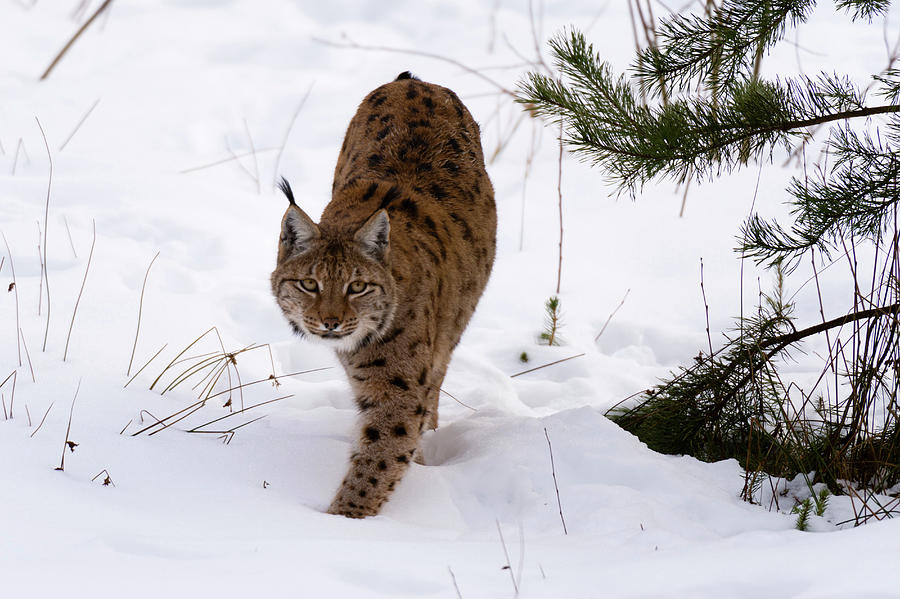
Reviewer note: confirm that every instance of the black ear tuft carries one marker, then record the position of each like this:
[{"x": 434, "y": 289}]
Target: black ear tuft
[
  {"x": 406, "y": 75},
  {"x": 285, "y": 188}
]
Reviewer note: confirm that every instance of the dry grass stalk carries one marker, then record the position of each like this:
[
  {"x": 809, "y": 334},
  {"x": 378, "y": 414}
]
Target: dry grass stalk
[
  {"x": 41, "y": 264},
  {"x": 14, "y": 288},
  {"x": 252, "y": 153},
  {"x": 12, "y": 398},
  {"x": 559, "y": 192},
  {"x": 20, "y": 148},
  {"x": 181, "y": 353},
  {"x": 512, "y": 376},
  {"x": 529, "y": 160},
  {"x": 163, "y": 422},
  {"x": 107, "y": 480},
  {"x": 210, "y": 367},
  {"x": 69, "y": 233},
  {"x": 196, "y": 429},
  {"x": 140, "y": 313},
  {"x": 255, "y": 159},
  {"x": 447, "y": 393},
  {"x": 508, "y": 565},
  {"x": 69, "y": 444},
  {"x": 215, "y": 366},
  {"x": 455, "y": 586},
  {"x": 271, "y": 378},
  {"x": 80, "y": 291},
  {"x": 233, "y": 156},
  {"x": 147, "y": 363},
  {"x": 351, "y": 44},
  {"x": 27, "y": 355},
  {"x": 555, "y": 485},
  {"x": 34, "y": 432},
  {"x": 46, "y": 232},
  {"x": 612, "y": 314},
  {"x": 288, "y": 132},
  {"x": 228, "y": 435},
  {"x": 80, "y": 123},
  {"x": 706, "y": 308},
  {"x": 206, "y": 394}
]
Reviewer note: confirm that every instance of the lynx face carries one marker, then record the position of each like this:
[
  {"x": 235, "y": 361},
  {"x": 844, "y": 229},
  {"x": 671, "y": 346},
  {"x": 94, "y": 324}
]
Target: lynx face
[{"x": 335, "y": 287}]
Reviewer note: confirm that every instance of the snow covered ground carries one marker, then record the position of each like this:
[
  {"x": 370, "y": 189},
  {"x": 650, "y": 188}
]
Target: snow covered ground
[{"x": 180, "y": 85}]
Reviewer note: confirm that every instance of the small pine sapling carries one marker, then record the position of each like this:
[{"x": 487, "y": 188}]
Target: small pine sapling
[
  {"x": 552, "y": 322},
  {"x": 803, "y": 510},
  {"x": 821, "y": 499}
]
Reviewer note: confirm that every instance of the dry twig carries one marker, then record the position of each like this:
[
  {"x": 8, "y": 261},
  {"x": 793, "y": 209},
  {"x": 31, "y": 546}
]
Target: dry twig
[
  {"x": 288, "y": 132},
  {"x": 232, "y": 157},
  {"x": 613, "y": 313},
  {"x": 80, "y": 291},
  {"x": 12, "y": 399},
  {"x": 69, "y": 233},
  {"x": 455, "y": 586},
  {"x": 34, "y": 432},
  {"x": 140, "y": 312},
  {"x": 78, "y": 33},
  {"x": 555, "y": 485},
  {"x": 14, "y": 288},
  {"x": 559, "y": 192},
  {"x": 80, "y": 123},
  {"x": 70, "y": 445},
  {"x": 508, "y": 565},
  {"x": 351, "y": 44},
  {"x": 27, "y": 355},
  {"x": 20, "y": 148},
  {"x": 545, "y": 365},
  {"x": 46, "y": 233}
]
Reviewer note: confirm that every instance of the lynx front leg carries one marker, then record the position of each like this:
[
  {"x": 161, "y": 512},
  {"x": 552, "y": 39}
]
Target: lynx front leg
[{"x": 388, "y": 441}]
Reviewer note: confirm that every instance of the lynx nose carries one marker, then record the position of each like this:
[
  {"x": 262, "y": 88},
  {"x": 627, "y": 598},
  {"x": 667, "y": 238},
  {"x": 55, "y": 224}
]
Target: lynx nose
[{"x": 331, "y": 323}]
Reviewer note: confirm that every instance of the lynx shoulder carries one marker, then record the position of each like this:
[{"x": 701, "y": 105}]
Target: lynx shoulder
[{"x": 392, "y": 272}]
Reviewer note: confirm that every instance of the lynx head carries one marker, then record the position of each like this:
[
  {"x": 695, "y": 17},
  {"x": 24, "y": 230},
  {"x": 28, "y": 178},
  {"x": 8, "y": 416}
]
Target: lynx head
[{"x": 334, "y": 285}]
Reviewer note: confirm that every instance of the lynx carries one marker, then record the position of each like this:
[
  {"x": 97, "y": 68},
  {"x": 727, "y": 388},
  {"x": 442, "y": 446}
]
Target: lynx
[{"x": 391, "y": 274}]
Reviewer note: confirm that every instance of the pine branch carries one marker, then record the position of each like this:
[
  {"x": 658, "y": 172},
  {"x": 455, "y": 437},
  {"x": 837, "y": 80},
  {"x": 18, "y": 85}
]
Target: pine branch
[
  {"x": 855, "y": 198},
  {"x": 606, "y": 123},
  {"x": 864, "y": 9},
  {"x": 713, "y": 402},
  {"x": 715, "y": 48}
]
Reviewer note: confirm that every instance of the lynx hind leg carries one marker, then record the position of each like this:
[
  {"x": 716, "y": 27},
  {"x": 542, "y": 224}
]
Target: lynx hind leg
[{"x": 388, "y": 442}]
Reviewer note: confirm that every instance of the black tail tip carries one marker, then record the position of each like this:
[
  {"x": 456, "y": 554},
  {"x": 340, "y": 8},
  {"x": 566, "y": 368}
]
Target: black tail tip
[
  {"x": 285, "y": 188},
  {"x": 406, "y": 75}
]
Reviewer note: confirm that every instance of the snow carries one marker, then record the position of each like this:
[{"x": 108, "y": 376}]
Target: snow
[{"x": 179, "y": 83}]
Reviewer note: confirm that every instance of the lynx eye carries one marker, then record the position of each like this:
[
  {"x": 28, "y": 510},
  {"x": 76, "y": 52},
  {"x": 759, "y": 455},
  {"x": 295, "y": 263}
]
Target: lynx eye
[
  {"x": 357, "y": 287},
  {"x": 309, "y": 285}
]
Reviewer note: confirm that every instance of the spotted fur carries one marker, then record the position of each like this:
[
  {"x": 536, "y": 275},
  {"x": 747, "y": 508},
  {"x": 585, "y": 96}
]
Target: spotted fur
[{"x": 412, "y": 216}]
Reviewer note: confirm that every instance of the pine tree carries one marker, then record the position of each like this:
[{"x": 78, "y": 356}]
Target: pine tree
[{"x": 696, "y": 107}]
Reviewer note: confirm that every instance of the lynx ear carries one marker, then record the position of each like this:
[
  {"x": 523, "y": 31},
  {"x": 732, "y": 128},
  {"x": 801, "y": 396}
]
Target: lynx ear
[
  {"x": 375, "y": 234},
  {"x": 297, "y": 231}
]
